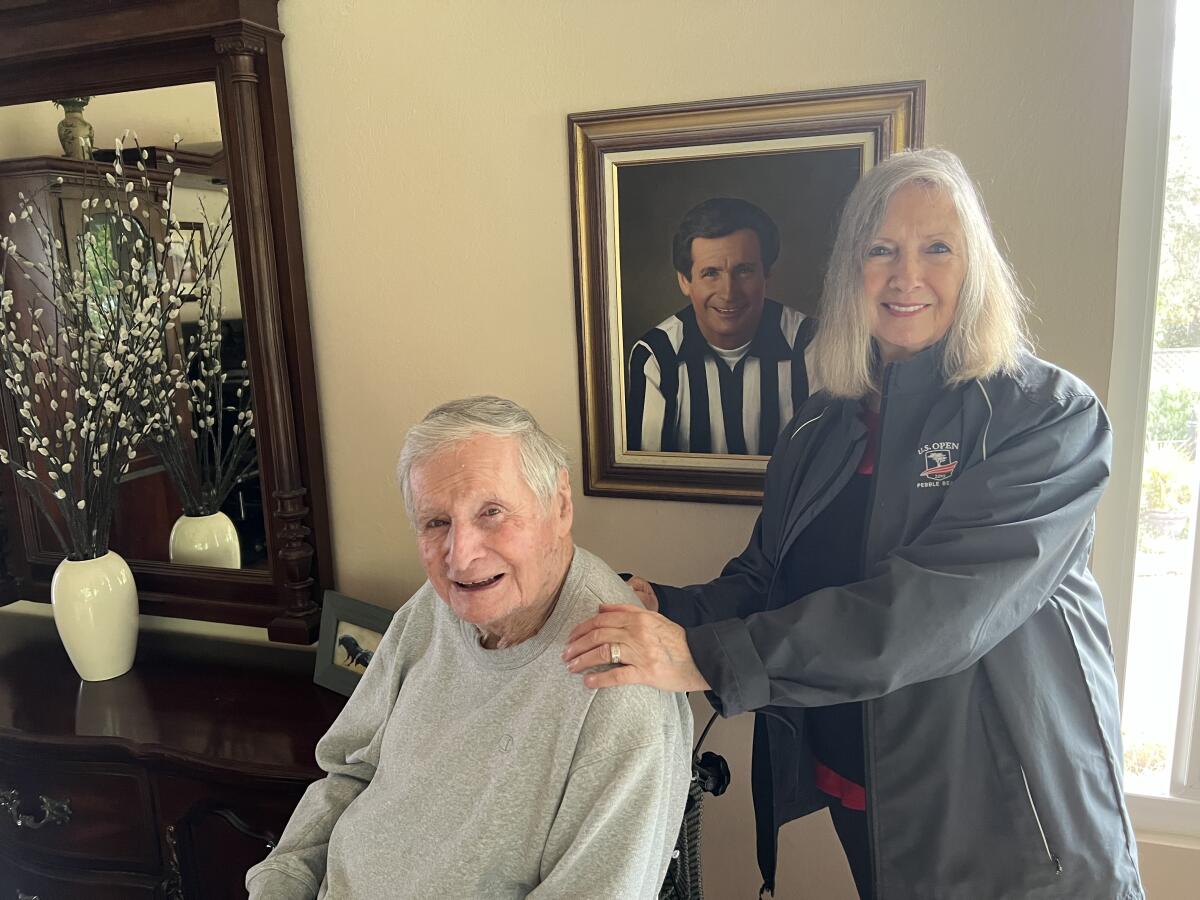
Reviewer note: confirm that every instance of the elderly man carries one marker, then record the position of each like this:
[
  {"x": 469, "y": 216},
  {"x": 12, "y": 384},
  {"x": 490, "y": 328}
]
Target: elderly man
[
  {"x": 724, "y": 374},
  {"x": 469, "y": 763}
]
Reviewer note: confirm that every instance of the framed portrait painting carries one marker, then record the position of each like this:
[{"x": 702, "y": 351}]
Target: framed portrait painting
[
  {"x": 194, "y": 249},
  {"x": 350, "y": 634},
  {"x": 701, "y": 232}
]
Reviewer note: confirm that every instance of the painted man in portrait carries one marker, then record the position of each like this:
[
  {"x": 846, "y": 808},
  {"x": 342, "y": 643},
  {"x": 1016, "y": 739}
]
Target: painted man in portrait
[{"x": 725, "y": 373}]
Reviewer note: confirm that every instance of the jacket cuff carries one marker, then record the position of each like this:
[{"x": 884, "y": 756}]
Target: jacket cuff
[
  {"x": 675, "y": 604},
  {"x": 728, "y": 660}
]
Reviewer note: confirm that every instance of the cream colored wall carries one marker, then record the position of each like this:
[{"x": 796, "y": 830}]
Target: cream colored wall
[{"x": 432, "y": 163}]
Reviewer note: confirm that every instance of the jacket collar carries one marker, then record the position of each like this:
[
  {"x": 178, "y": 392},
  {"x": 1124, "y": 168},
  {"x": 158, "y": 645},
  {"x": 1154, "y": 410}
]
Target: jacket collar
[{"x": 922, "y": 372}]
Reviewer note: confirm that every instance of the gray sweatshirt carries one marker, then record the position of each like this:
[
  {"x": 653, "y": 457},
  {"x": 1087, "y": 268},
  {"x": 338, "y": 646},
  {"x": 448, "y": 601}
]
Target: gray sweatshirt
[{"x": 459, "y": 772}]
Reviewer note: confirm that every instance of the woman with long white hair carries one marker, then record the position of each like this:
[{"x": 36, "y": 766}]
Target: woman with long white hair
[{"x": 913, "y": 620}]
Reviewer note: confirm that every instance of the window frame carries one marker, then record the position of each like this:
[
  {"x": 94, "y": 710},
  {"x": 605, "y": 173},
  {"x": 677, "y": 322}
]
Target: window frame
[{"x": 1147, "y": 137}]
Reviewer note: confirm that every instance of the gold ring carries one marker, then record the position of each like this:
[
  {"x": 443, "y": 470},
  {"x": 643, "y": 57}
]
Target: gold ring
[{"x": 614, "y": 654}]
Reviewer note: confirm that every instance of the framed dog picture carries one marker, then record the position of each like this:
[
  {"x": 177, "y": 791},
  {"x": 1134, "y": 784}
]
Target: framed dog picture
[
  {"x": 350, "y": 634},
  {"x": 701, "y": 234}
]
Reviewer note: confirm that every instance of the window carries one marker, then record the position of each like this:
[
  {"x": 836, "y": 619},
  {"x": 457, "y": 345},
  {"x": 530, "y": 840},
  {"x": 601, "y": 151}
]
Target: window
[
  {"x": 1146, "y": 550},
  {"x": 105, "y": 250}
]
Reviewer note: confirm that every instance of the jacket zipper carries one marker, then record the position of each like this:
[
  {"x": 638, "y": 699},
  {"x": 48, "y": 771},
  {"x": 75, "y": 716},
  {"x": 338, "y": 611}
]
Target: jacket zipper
[
  {"x": 1051, "y": 857},
  {"x": 1054, "y": 860},
  {"x": 873, "y": 841}
]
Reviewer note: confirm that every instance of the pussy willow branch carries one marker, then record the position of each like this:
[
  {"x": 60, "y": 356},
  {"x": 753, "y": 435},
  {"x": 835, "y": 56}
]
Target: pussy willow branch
[{"x": 203, "y": 465}]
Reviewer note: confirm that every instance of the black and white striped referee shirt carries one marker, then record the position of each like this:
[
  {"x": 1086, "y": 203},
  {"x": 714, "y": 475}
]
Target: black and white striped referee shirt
[{"x": 681, "y": 396}]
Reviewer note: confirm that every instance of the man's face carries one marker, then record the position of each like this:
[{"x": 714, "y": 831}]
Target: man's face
[
  {"x": 727, "y": 287},
  {"x": 489, "y": 548}
]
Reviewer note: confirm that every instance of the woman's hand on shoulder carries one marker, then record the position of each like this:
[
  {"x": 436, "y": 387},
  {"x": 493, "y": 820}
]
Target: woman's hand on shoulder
[{"x": 651, "y": 650}]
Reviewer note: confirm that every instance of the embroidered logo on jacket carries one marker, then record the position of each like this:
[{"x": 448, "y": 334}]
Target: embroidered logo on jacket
[{"x": 940, "y": 463}]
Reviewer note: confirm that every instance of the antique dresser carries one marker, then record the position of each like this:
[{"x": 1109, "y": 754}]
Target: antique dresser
[{"x": 168, "y": 782}]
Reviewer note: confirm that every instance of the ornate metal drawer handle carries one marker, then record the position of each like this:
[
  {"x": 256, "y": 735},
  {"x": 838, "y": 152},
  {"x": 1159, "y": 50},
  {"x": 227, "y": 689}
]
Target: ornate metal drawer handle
[{"x": 53, "y": 812}]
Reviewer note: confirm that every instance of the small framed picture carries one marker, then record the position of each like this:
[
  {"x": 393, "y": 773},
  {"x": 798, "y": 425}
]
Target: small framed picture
[{"x": 350, "y": 634}]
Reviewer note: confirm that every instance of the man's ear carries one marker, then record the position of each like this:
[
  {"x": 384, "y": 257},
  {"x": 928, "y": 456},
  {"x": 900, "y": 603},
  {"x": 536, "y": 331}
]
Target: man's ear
[
  {"x": 685, "y": 286},
  {"x": 564, "y": 505}
]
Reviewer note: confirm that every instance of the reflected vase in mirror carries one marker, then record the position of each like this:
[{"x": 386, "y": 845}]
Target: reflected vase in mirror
[
  {"x": 206, "y": 540},
  {"x": 74, "y": 132}
]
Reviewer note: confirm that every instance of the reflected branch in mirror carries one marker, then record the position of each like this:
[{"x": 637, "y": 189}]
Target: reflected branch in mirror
[
  {"x": 204, "y": 438},
  {"x": 80, "y": 350}
]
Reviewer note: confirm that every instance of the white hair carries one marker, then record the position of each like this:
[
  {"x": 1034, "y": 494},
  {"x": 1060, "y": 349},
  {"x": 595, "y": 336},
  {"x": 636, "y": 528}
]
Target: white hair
[
  {"x": 988, "y": 333},
  {"x": 542, "y": 457}
]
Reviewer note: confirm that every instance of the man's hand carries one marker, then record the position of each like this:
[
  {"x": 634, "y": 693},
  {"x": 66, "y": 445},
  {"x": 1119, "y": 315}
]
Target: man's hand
[
  {"x": 653, "y": 650},
  {"x": 645, "y": 592}
]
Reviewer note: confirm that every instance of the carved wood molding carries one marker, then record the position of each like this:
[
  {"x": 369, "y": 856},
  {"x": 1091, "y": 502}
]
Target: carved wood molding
[
  {"x": 172, "y": 883},
  {"x": 276, "y": 431},
  {"x": 242, "y": 43}
]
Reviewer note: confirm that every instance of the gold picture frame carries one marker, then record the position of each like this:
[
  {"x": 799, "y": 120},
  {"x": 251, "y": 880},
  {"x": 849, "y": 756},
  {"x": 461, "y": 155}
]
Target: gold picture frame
[{"x": 634, "y": 172}]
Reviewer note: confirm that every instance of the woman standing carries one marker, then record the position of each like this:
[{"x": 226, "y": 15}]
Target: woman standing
[{"x": 913, "y": 619}]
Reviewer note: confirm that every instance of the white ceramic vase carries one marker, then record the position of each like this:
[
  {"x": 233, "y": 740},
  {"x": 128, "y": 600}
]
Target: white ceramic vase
[
  {"x": 96, "y": 613},
  {"x": 206, "y": 541}
]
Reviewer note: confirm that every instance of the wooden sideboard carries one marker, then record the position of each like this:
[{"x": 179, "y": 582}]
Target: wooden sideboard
[{"x": 165, "y": 783}]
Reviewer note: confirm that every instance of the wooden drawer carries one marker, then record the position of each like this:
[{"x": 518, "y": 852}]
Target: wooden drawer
[
  {"x": 105, "y": 816},
  {"x": 22, "y": 879}
]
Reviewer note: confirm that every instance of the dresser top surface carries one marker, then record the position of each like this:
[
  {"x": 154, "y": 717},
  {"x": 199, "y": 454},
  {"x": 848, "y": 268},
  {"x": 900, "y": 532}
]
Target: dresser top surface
[{"x": 194, "y": 700}]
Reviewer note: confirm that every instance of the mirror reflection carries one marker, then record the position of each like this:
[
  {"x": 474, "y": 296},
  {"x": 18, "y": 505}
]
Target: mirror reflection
[{"x": 192, "y": 495}]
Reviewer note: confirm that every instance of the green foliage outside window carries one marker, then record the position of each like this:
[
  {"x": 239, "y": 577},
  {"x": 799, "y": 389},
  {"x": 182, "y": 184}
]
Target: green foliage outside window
[
  {"x": 1178, "y": 320},
  {"x": 1166, "y": 480},
  {"x": 1172, "y": 414}
]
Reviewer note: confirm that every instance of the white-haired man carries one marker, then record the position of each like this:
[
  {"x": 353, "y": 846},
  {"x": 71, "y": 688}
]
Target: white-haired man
[{"x": 469, "y": 763}]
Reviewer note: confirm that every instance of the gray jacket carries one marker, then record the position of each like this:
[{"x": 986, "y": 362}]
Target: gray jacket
[{"x": 977, "y": 638}]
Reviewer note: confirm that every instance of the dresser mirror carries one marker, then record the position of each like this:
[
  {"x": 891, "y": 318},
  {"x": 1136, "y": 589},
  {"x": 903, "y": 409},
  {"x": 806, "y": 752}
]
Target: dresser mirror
[
  {"x": 196, "y": 95},
  {"x": 167, "y": 129}
]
